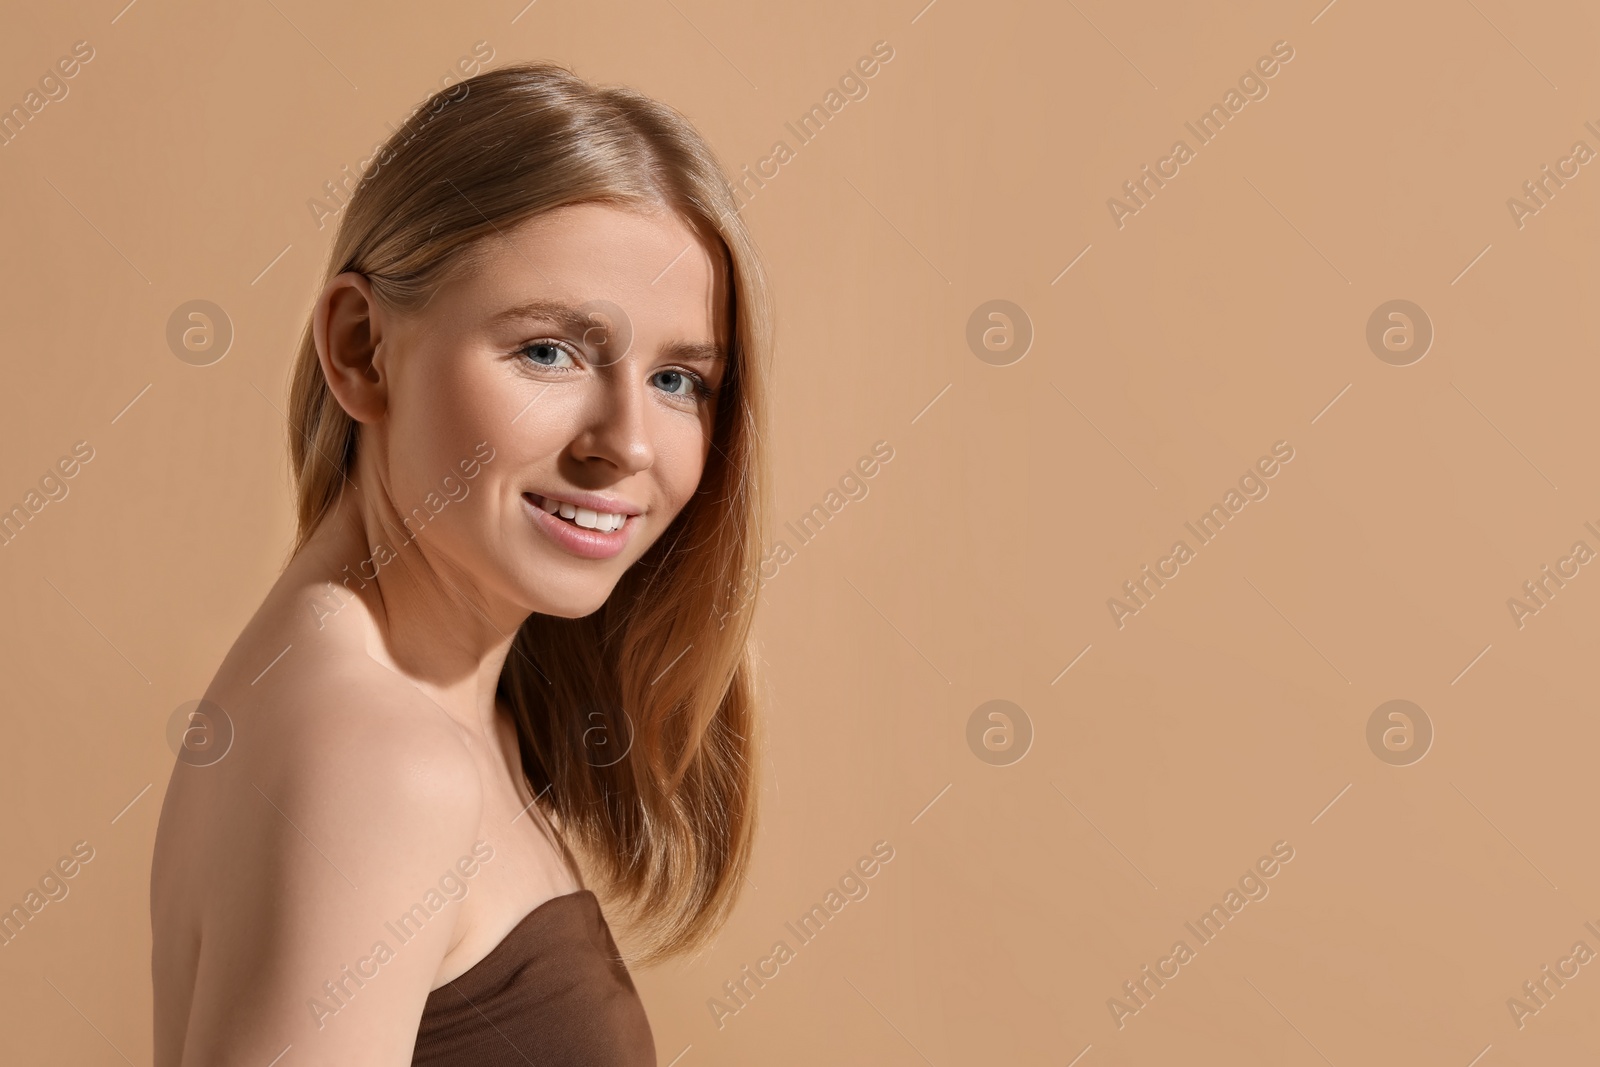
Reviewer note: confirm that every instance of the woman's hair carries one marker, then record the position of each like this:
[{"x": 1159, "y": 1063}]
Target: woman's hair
[{"x": 639, "y": 719}]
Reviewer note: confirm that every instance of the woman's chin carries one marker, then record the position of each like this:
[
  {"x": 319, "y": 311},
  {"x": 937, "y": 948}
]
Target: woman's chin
[{"x": 568, "y": 607}]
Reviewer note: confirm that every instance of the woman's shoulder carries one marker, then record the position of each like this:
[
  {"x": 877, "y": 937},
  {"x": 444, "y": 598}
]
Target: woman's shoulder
[
  {"x": 310, "y": 688},
  {"x": 320, "y": 730},
  {"x": 347, "y": 724}
]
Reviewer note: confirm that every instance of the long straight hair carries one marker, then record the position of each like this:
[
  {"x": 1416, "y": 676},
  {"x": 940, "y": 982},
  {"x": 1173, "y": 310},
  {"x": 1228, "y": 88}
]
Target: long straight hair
[{"x": 637, "y": 723}]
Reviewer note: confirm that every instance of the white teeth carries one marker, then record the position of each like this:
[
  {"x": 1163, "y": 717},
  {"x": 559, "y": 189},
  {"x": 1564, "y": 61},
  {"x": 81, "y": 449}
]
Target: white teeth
[
  {"x": 589, "y": 520},
  {"x": 599, "y": 520}
]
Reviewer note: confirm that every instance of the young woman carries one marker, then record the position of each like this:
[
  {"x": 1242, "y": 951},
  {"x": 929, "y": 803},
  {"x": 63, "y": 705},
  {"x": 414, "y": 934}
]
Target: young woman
[{"x": 510, "y": 655}]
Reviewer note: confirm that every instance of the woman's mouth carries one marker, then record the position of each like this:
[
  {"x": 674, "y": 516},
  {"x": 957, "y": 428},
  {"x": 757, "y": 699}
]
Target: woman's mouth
[
  {"x": 604, "y": 522},
  {"x": 584, "y": 532}
]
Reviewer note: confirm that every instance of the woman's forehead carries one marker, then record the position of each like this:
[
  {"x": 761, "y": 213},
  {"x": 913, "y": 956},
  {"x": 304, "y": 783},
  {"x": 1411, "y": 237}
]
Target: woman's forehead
[{"x": 650, "y": 266}]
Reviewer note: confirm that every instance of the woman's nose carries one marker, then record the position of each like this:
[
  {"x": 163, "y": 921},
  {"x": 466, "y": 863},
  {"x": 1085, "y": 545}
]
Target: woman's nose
[{"x": 618, "y": 432}]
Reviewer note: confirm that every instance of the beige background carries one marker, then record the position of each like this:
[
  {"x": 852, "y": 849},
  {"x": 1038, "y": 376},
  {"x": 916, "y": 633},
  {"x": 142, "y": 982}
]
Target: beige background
[{"x": 1225, "y": 316}]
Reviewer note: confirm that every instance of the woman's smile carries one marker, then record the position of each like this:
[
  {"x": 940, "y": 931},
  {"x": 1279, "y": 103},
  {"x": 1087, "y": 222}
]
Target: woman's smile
[{"x": 585, "y": 532}]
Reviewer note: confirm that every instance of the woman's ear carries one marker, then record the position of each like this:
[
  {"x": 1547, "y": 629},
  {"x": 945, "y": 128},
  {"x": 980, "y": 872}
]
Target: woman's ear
[{"x": 347, "y": 326}]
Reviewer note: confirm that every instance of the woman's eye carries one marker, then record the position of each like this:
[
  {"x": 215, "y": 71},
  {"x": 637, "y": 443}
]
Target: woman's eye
[
  {"x": 678, "y": 382},
  {"x": 545, "y": 353},
  {"x": 558, "y": 355}
]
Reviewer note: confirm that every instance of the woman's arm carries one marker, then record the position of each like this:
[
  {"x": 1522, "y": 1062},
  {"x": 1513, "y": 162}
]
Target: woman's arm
[{"x": 316, "y": 932}]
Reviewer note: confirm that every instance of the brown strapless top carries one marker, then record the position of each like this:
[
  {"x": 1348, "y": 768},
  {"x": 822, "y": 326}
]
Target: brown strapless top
[{"x": 553, "y": 992}]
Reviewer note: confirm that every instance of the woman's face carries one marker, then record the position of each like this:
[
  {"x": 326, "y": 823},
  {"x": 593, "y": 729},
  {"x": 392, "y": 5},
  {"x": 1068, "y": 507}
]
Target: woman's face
[{"x": 571, "y": 370}]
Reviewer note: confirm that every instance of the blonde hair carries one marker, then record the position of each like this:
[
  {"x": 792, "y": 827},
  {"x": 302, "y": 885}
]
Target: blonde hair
[{"x": 665, "y": 671}]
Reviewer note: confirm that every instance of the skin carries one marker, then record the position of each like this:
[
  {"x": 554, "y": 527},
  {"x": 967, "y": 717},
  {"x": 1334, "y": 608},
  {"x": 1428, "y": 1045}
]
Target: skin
[{"x": 369, "y": 759}]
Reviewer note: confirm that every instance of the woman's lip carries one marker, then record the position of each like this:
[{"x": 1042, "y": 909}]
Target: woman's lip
[
  {"x": 587, "y": 544},
  {"x": 607, "y": 505}
]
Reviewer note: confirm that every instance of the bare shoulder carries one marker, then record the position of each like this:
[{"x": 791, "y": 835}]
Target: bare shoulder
[
  {"x": 359, "y": 729},
  {"x": 344, "y": 796},
  {"x": 351, "y": 744}
]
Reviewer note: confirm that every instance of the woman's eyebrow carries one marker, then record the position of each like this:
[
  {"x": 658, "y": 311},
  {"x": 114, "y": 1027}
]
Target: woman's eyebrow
[
  {"x": 573, "y": 319},
  {"x": 568, "y": 316},
  {"x": 694, "y": 350}
]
